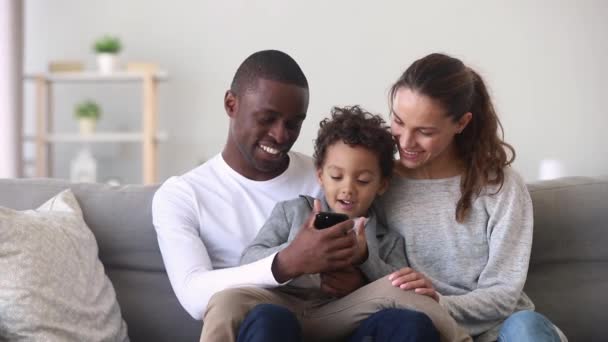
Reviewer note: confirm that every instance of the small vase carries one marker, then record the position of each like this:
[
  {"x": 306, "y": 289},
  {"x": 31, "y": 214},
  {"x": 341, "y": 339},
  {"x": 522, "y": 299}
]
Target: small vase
[
  {"x": 107, "y": 63},
  {"x": 87, "y": 126}
]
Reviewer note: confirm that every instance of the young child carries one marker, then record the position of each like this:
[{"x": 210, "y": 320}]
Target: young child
[{"x": 354, "y": 158}]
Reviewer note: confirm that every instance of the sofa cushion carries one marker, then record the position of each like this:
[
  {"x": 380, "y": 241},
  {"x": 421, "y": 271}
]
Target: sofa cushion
[
  {"x": 119, "y": 216},
  {"x": 52, "y": 285}
]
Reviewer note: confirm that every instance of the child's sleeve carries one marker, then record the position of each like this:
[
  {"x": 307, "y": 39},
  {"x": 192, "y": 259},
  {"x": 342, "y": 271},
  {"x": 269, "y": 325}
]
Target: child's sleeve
[
  {"x": 386, "y": 252},
  {"x": 271, "y": 238}
]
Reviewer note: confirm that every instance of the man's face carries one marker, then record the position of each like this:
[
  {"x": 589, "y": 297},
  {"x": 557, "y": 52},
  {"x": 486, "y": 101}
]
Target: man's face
[{"x": 265, "y": 123}]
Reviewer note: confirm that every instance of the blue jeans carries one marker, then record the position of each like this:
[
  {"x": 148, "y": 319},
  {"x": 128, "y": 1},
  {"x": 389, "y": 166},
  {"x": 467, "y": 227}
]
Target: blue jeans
[
  {"x": 524, "y": 326},
  {"x": 396, "y": 325},
  {"x": 269, "y": 323},
  {"x": 273, "y": 323}
]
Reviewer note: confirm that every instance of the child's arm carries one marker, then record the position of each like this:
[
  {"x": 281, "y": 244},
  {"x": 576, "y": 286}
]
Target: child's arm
[
  {"x": 272, "y": 237},
  {"x": 385, "y": 250}
]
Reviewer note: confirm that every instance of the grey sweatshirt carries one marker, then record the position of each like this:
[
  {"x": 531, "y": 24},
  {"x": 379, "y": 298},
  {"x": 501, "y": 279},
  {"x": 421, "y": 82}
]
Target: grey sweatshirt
[
  {"x": 386, "y": 251},
  {"x": 478, "y": 267}
]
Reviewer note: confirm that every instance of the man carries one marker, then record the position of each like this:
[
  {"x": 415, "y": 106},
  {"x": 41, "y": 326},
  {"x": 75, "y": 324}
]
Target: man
[{"x": 206, "y": 217}]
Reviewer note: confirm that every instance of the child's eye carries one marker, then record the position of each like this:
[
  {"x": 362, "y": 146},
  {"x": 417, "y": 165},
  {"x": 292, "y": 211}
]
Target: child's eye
[
  {"x": 363, "y": 181},
  {"x": 335, "y": 177}
]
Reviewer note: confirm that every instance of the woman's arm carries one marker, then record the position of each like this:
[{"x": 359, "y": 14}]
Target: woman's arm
[{"x": 502, "y": 280}]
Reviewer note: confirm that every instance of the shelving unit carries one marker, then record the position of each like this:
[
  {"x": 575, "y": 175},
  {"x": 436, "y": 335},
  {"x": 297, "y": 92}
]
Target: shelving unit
[{"x": 149, "y": 137}]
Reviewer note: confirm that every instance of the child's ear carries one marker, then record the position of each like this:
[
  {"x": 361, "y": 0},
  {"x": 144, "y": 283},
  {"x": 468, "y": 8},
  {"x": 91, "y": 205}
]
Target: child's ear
[
  {"x": 319, "y": 175},
  {"x": 383, "y": 186}
]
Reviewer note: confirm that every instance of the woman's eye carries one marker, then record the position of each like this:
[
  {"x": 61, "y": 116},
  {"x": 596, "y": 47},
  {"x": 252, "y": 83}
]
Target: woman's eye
[{"x": 426, "y": 133}]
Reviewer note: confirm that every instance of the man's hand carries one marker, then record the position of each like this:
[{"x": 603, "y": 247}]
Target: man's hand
[
  {"x": 315, "y": 251},
  {"x": 342, "y": 282},
  {"x": 408, "y": 279}
]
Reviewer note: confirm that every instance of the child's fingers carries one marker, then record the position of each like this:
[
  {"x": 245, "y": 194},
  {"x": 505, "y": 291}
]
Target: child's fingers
[
  {"x": 316, "y": 206},
  {"x": 361, "y": 226}
]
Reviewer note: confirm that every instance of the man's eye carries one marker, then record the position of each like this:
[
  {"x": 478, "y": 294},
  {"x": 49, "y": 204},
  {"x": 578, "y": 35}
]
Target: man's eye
[
  {"x": 293, "y": 125},
  {"x": 266, "y": 121}
]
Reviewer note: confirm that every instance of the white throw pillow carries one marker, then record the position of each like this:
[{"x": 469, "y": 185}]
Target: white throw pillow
[{"x": 52, "y": 285}]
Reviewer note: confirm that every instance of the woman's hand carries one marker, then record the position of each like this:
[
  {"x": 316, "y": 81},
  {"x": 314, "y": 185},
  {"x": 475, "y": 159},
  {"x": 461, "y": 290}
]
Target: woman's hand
[{"x": 408, "y": 279}]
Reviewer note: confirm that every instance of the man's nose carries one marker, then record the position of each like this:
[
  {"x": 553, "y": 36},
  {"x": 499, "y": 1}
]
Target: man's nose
[{"x": 280, "y": 133}]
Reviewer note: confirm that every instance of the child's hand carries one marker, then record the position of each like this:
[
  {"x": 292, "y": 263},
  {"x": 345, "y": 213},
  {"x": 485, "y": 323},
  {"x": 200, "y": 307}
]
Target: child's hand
[
  {"x": 361, "y": 251},
  {"x": 408, "y": 279}
]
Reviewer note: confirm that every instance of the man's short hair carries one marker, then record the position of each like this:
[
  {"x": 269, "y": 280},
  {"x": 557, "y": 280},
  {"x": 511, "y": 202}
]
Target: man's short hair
[{"x": 271, "y": 65}]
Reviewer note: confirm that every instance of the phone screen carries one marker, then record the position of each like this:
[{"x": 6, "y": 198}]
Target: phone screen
[{"x": 326, "y": 219}]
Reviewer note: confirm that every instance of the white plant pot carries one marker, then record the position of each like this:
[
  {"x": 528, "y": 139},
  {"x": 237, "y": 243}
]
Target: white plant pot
[
  {"x": 87, "y": 126},
  {"x": 107, "y": 63}
]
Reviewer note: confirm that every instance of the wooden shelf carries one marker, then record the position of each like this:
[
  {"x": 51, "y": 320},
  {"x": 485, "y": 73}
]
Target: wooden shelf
[
  {"x": 149, "y": 137},
  {"x": 93, "y": 76},
  {"x": 100, "y": 137}
]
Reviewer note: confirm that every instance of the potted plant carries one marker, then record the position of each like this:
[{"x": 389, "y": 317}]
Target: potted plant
[
  {"x": 87, "y": 113},
  {"x": 107, "y": 49}
]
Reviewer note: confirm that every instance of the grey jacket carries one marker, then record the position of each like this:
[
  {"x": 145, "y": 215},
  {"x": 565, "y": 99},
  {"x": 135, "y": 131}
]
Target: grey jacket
[{"x": 386, "y": 249}]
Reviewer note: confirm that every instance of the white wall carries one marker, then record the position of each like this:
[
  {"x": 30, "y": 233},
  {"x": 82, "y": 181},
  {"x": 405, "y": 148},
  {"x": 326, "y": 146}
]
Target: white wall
[{"x": 545, "y": 62}]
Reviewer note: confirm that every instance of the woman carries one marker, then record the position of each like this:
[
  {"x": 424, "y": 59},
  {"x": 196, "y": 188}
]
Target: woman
[{"x": 466, "y": 216}]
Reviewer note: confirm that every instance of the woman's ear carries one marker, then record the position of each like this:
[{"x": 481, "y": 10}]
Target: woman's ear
[{"x": 464, "y": 121}]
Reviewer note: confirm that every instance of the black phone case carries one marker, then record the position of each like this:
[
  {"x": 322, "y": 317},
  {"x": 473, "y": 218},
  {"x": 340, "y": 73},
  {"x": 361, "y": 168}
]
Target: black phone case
[{"x": 326, "y": 219}]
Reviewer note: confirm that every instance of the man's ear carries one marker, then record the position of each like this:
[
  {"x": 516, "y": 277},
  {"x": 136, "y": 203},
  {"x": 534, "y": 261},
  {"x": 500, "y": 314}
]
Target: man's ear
[{"x": 231, "y": 103}]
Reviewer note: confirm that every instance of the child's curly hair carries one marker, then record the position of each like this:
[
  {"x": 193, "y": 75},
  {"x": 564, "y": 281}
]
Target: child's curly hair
[{"x": 356, "y": 127}]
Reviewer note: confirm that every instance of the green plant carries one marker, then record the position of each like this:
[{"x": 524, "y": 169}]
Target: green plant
[
  {"x": 107, "y": 44},
  {"x": 87, "y": 110}
]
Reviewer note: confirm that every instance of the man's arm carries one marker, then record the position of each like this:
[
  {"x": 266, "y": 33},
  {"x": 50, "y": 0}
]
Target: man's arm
[
  {"x": 311, "y": 251},
  {"x": 185, "y": 256}
]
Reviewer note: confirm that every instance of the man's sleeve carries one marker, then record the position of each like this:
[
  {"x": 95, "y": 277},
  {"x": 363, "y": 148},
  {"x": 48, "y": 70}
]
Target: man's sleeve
[{"x": 188, "y": 265}]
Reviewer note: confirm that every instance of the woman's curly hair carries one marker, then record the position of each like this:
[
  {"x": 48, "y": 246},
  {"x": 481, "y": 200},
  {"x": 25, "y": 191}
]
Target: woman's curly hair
[{"x": 356, "y": 127}]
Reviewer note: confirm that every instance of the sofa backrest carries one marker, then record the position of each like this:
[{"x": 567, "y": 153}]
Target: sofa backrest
[
  {"x": 121, "y": 220},
  {"x": 568, "y": 277}
]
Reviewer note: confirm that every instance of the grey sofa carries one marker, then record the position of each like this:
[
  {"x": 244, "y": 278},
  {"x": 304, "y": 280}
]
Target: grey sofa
[{"x": 568, "y": 278}]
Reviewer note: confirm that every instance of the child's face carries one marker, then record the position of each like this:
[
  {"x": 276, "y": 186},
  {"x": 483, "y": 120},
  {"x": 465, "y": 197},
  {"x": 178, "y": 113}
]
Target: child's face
[{"x": 351, "y": 178}]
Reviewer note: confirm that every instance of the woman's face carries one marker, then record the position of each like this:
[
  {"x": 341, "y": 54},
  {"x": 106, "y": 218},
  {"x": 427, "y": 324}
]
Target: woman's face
[{"x": 425, "y": 135}]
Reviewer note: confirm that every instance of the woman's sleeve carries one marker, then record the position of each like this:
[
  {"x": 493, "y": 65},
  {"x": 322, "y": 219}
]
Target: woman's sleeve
[{"x": 502, "y": 280}]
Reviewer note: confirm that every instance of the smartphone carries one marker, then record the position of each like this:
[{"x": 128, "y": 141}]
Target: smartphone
[{"x": 326, "y": 219}]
